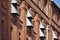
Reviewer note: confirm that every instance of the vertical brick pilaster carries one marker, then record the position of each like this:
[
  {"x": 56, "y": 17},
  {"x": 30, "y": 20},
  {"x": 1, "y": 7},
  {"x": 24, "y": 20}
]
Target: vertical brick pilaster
[
  {"x": 29, "y": 38},
  {"x": 5, "y": 25},
  {"x": 49, "y": 10},
  {"x": 49, "y": 32},
  {"x": 23, "y": 19},
  {"x": 36, "y": 26},
  {"x": 14, "y": 35},
  {"x": 50, "y": 21}
]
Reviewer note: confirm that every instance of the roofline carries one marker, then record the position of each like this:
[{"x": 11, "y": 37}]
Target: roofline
[{"x": 55, "y": 5}]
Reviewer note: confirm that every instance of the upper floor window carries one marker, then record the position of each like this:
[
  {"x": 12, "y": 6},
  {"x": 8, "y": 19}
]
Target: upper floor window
[
  {"x": 29, "y": 19},
  {"x": 45, "y": 2},
  {"x": 14, "y": 9},
  {"x": 46, "y": 9},
  {"x": 54, "y": 36}
]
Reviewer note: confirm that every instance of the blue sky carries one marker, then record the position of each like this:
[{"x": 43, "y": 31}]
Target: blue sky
[{"x": 57, "y": 2}]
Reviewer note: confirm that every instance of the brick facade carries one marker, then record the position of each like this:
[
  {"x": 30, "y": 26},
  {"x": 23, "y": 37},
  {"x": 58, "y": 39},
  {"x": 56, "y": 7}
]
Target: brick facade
[{"x": 29, "y": 20}]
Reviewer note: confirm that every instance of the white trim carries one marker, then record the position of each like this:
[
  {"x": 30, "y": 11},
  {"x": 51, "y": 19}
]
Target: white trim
[
  {"x": 41, "y": 26},
  {"x": 41, "y": 34},
  {"x": 13, "y": 9},
  {"x": 54, "y": 35},
  {"x": 28, "y": 14},
  {"x": 28, "y": 22},
  {"x": 14, "y": 1}
]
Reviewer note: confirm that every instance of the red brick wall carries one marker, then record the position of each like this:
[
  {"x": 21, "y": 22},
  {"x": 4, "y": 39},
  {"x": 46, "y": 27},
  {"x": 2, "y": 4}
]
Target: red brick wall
[{"x": 4, "y": 19}]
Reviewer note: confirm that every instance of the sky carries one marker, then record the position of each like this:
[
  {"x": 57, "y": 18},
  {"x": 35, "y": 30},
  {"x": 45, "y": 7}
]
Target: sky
[{"x": 57, "y": 2}]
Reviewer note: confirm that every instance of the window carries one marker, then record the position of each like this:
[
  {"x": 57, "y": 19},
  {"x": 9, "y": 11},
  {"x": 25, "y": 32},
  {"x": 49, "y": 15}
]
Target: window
[
  {"x": 47, "y": 9},
  {"x": 54, "y": 35},
  {"x": 29, "y": 19},
  {"x": 42, "y": 38},
  {"x": 45, "y": 2},
  {"x": 55, "y": 39},
  {"x": 14, "y": 9}
]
